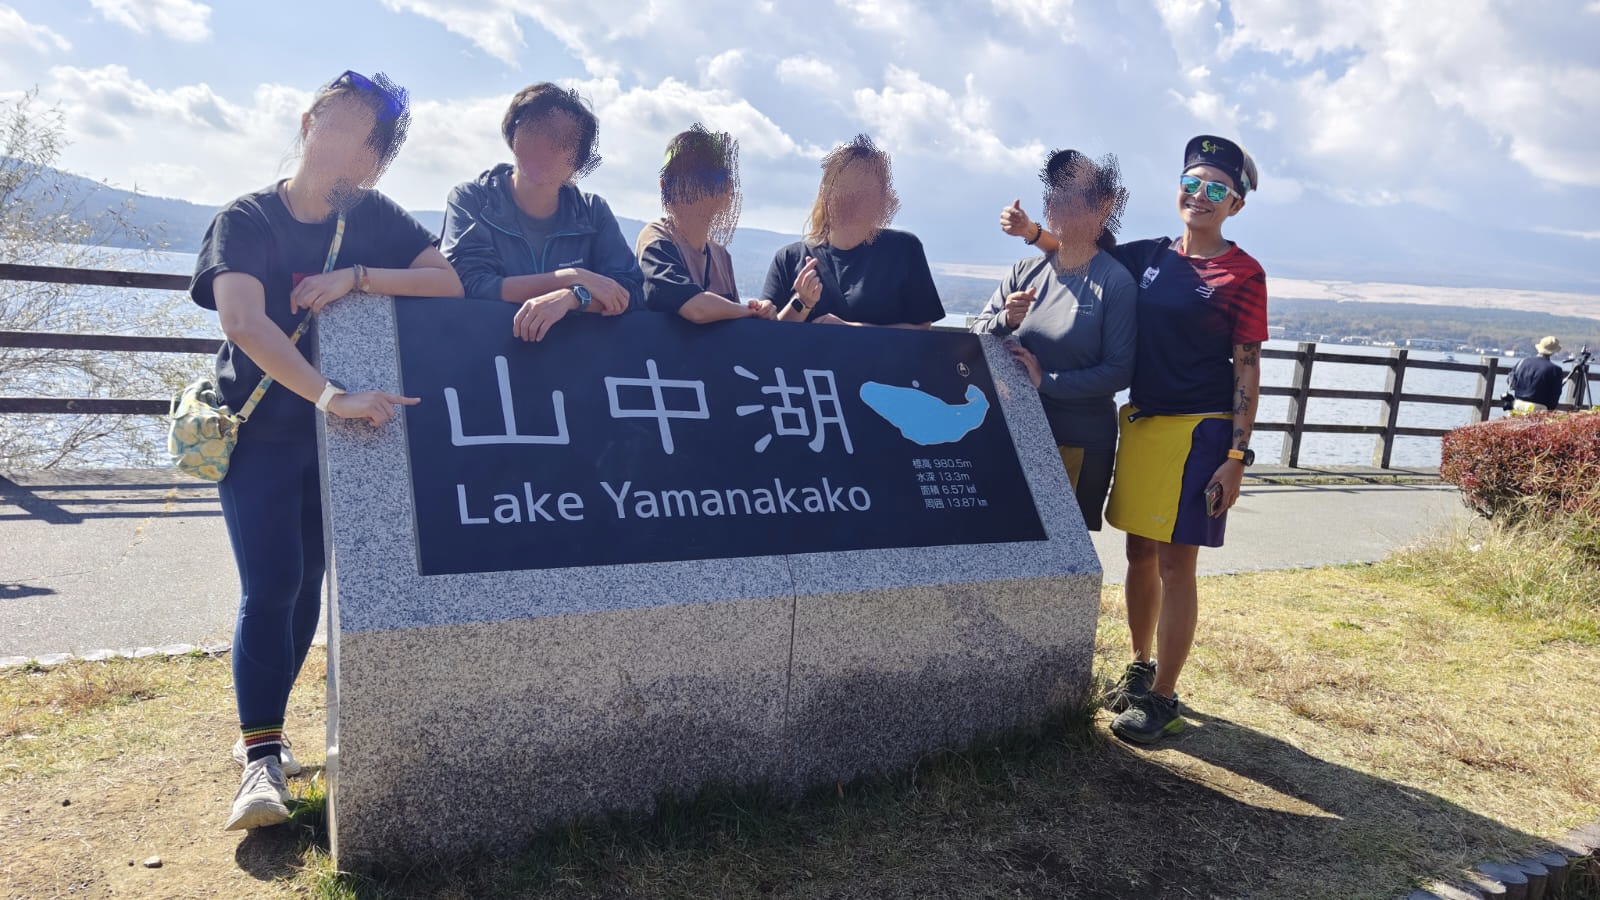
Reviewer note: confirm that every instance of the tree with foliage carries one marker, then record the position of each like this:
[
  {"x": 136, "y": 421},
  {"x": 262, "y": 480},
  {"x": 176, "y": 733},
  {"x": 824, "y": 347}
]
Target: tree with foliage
[{"x": 46, "y": 220}]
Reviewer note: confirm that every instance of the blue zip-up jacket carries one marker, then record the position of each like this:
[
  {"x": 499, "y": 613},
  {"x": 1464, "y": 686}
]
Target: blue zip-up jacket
[{"x": 485, "y": 242}]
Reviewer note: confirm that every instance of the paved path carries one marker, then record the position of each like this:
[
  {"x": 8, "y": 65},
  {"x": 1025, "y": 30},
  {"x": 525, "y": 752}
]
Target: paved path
[{"x": 123, "y": 560}]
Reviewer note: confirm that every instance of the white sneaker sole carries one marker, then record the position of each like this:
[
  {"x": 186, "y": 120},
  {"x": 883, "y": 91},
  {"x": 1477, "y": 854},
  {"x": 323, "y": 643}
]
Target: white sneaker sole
[
  {"x": 286, "y": 760},
  {"x": 259, "y": 813}
]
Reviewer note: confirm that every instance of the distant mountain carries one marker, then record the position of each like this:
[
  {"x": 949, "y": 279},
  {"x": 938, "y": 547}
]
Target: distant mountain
[
  {"x": 172, "y": 224},
  {"x": 179, "y": 225}
]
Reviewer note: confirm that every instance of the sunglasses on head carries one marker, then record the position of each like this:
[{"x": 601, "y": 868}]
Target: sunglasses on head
[
  {"x": 392, "y": 106},
  {"x": 1215, "y": 191}
]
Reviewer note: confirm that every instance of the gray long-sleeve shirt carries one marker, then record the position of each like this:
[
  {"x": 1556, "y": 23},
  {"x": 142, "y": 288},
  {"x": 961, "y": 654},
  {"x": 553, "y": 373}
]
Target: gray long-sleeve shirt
[{"x": 1081, "y": 327}]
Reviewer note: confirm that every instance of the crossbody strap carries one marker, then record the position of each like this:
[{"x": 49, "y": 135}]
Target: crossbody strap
[{"x": 300, "y": 331}]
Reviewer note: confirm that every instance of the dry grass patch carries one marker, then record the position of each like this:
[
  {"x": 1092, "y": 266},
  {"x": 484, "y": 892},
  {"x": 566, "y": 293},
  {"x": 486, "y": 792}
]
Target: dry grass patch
[
  {"x": 1476, "y": 705},
  {"x": 106, "y": 764},
  {"x": 1352, "y": 735},
  {"x": 32, "y": 699},
  {"x": 1546, "y": 575}
]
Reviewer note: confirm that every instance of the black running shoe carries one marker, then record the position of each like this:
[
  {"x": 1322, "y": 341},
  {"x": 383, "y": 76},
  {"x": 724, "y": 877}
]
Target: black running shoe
[
  {"x": 1150, "y": 718},
  {"x": 1135, "y": 683}
]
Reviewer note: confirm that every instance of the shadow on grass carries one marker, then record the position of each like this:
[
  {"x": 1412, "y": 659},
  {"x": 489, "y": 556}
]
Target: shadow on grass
[
  {"x": 280, "y": 852},
  {"x": 1222, "y": 811}
]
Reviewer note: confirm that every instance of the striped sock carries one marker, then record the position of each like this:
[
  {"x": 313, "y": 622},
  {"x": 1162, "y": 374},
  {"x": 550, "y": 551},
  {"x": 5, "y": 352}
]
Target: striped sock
[{"x": 262, "y": 741}]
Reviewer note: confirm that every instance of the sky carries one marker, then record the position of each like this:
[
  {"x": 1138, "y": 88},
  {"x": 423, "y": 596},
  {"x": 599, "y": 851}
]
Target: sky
[{"x": 1451, "y": 143}]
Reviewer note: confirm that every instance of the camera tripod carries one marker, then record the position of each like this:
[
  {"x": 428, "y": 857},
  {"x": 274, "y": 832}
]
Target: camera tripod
[{"x": 1579, "y": 376}]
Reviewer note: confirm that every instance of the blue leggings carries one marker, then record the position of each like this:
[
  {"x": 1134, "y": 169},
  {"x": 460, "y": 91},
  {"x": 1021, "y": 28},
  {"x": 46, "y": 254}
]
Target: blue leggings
[{"x": 272, "y": 503}]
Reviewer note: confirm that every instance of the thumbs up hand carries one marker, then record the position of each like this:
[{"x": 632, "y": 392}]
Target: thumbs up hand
[{"x": 1015, "y": 222}]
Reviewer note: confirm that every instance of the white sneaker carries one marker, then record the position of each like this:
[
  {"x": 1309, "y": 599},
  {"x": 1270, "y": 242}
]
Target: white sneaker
[
  {"x": 291, "y": 766},
  {"x": 263, "y": 797}
]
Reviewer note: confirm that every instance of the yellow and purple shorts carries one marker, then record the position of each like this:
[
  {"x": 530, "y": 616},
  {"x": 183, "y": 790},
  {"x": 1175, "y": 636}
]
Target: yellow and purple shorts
[{"x": 1163, "y": 466}]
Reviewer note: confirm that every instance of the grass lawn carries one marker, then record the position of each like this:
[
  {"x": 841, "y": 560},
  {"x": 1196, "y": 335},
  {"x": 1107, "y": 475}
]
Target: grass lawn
[{"x": 1355, "y": 732}]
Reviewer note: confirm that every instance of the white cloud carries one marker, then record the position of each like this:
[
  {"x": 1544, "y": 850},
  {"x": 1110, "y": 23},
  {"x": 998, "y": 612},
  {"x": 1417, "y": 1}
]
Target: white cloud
[
  {"x": 591, "y": 35},
  {"x": 1055, "y": 14},
  {"x": 1209, "y": 107},
  {"x": 723, "y": 69},
  {"x": 453, "y": 140},
  {"x": 493, "y": 29},
  {"x": 1572, "y": 232},
  {"x": 188, "y": 142},
  {"x": 167, "y": 179},
  {"x": 1469, "y": 76},
  {"x": 806, "y": 71},
  {"x": 1369, "y": 117},
  {"x": 183, "y": 20},
  {"x": 883, "y": 15},
  {"x": 110, "y": 99},
  {"x": 15, "y": 30},
  {"x": 1193, "y": 29},
  {"x": 913, "y": 117}
]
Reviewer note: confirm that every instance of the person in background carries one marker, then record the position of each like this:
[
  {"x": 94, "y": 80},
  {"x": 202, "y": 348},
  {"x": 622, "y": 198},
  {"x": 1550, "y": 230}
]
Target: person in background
[
  {"x": 261, "y": 267},
  {"x": 1184, "y": 437},
  {"x": 684, "y": 254},
  {"x": 851, "y": 268},
  {"x": 1072, "y": 319},
  {"x": 525, "y": 234},
  {"x": 1535, "y": 382}
]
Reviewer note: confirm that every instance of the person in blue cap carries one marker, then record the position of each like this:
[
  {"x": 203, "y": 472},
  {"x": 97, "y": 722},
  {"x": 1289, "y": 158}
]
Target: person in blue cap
[{"x": 1184, "y": 436}]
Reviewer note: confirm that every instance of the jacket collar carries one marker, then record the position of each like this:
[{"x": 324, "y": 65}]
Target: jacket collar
[{"x": 573, "y": 213}]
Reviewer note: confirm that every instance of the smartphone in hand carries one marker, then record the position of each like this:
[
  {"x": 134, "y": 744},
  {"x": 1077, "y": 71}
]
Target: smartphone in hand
[{"x": 1214, "y": 499}]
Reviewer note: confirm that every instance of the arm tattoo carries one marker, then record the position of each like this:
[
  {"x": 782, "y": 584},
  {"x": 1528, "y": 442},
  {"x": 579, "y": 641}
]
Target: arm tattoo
[{"x": 1250, "y": 354}]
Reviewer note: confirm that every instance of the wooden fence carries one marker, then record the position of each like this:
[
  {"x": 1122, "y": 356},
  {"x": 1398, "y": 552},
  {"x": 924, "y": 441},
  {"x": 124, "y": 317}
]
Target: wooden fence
[{"x": 1305, "y": 358}]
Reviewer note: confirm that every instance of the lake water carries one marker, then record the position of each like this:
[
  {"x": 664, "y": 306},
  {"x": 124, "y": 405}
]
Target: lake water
[{"x": 1316, "y": 449}]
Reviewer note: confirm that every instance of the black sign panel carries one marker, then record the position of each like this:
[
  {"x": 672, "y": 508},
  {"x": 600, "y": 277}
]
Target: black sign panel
[{"x": 644, "y": 438}]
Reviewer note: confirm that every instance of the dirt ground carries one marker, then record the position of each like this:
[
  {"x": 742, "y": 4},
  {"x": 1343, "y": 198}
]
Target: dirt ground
[{"x": 1347, "y": 739}]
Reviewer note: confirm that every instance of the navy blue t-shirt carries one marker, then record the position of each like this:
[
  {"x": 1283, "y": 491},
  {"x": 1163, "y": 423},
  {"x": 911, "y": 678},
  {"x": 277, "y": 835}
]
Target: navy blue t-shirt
[
  {"x": 255, "y": 235},
  {"x": 886, "y": 282},
  {"x": 1537, "y": 380},
  {"x": 1191, "y": 314}
]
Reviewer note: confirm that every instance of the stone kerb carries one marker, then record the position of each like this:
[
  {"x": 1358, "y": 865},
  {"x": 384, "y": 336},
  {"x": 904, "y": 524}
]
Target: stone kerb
[{"x": 468, "y": 710}]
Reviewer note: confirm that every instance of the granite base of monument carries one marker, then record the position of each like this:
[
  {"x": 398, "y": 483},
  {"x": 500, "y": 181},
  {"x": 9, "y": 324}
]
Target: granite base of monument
[{"x": 470, "y": 709}]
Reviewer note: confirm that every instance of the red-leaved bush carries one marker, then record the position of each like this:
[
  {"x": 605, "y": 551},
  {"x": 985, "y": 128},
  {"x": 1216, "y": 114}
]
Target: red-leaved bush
[{"x": 1520, "y": 466}]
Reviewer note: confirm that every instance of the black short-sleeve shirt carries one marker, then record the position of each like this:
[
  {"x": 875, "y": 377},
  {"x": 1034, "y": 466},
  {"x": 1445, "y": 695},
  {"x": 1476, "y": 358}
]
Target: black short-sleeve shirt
[
  {"x": 885, "y": 282},
  {"x": 255, "y": 235}
]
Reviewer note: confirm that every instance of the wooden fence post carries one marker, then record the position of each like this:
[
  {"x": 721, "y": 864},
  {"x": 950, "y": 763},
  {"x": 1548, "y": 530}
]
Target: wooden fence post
[
  {"x": 1487, "y": 376},
  {"x": 1300, "y": 383},
  {"x": 1384, "y": 451}
]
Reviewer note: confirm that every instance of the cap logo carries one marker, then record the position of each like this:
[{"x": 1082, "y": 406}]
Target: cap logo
[{"x": 1208, "y": 147}]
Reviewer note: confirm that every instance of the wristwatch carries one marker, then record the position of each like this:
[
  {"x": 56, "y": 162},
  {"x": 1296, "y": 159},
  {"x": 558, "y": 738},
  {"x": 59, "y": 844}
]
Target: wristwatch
[
  {"x": 1246, "y": 456},
  {"x": 583, "y": 295},
  {"x": 329, "y": 391},
  {"x": 797, "y": 306}
]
